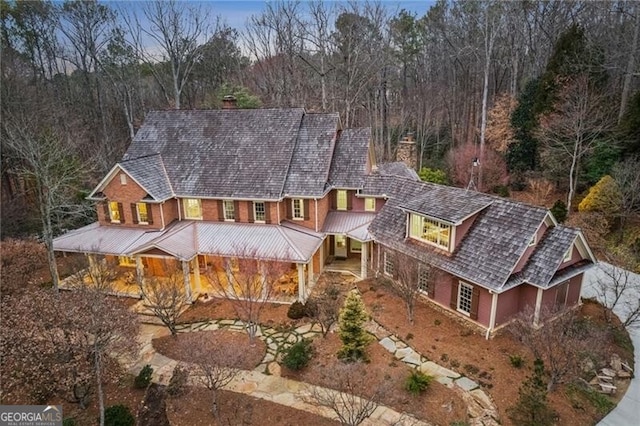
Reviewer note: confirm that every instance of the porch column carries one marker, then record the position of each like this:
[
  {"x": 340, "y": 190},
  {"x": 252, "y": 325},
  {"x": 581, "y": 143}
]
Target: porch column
[
  {"x": 92, "y": 265},
  {"x": 187, "y": 280},
  {"x": 301, "y": 287},
  {"x": 310, "y": 272},
  {"x": 492, "y": 318},
  {"x": 321, "y": 257},
  {"x": 364, "y": 256},
  {"x": 536, "y": 314},
  {"x": 196, "y": 274},
  {"x": 139, "y": 272},
  {"x": 263, "y": 279}
]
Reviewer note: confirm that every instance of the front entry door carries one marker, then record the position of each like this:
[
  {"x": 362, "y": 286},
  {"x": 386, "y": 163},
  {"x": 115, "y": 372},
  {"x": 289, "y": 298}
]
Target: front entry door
[{"x": 341, "y": 246}]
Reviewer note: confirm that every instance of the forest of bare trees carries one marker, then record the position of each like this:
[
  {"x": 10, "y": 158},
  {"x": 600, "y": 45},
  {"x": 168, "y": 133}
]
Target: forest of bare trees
[{"x": 542, "y": 89}]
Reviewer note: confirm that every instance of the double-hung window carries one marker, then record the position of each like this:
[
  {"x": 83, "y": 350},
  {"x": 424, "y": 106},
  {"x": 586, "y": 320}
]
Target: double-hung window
[
  {"x": 341, "y": 199},
  {"x": 465, "y": 296},
  {"x": 229, "y": 210},
  {"x": 423, "y": 279},
  {"x": 259, "y": 211},
  {"x": 192, "y": 208},
  {"x": 114, "y": 212},
  {"x": 297, "y": 208},
  {"x": 389, "y": 267},
  {"x": 143, "y": 214},
  {"x": 370, "y": 204}
]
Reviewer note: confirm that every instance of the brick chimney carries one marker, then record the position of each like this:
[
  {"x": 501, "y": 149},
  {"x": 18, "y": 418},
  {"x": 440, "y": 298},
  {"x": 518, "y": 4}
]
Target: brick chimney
[
  {"x": 229, "y": 102},
  {"x": 407, "y": 152}
]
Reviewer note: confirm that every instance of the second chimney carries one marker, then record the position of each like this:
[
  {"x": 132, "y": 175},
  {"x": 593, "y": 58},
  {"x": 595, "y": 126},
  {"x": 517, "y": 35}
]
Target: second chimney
[
  {"x": 229, "y": 102},
  {"x": 407, "y": 151}
]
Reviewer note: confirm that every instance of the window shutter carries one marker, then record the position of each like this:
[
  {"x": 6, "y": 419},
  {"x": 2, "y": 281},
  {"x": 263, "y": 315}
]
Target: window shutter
[
  {"x": 349, "y": 201},
  {"x": 454, "y": 295},
  {"x": 334, "y": 200},
  {"x": 267, "y": 212},
  {"x": 289, "y": 208},
  {"x": 236, "y": 210},
  {"x": 332, "y": 245},
  {"x": 475, "y": 301},
  {"x": 431, "y": 288},
  {"x": 121, "y": 210},
  {"x": 134, "y": 213},
  {"x": 220, "y": 210},
  {"x": 107, "y": 215},
  {"x": 250, "y": 204},
  {"x": 149, "y": 213},
  {"x": 306, "y": 210}
]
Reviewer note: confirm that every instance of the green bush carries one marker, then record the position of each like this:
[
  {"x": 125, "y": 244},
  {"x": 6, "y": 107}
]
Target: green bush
[
  {"x": 178, "y": 381},
  {"x": 298, "y": 355},
  {"x": 417, "y": 382},
  {"x": 433, "y": 175},
  {"x": 296, "y": 310},
  {"x": 69, "y": 421},
  {"x": 516, "y": 360},
  {"x": 118, "y": 415},
  {"x": 501, "y": 190},
  {"x": 143, "y": 379}
]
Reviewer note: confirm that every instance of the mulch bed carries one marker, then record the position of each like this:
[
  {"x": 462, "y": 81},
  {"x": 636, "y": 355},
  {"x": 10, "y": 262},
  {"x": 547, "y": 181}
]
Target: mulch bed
[
  {"x": 194, "y": 409},
  {"x": 153, "y": 410},
  {"x": 179, "y": 347}
]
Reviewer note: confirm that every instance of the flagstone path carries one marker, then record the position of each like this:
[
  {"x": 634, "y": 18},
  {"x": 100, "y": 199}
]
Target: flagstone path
[{"x": 265, "y": 382}]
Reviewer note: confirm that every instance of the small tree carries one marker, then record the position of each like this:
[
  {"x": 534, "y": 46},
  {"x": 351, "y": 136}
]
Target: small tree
[
  {"x": 166, "y": 298},
  {"x": 532, "y": 408},
  {"x": 324, "y": 307},
  {"x": 460, "y": 161},
  {"x": 411, "y": 275},
  {"x": 433, "y": 175},
  {"x": 350, "y": 408},
  {"x": 249, "y": 284},
  {"x": 559, "y": 210},
  {"x": 604, "y": 197},
  {"x": 354, "y": 337},
  {"x": 618, "y": 289},
  {"x": 562, "y": 341},
  {"x": 214, "y": 366}
]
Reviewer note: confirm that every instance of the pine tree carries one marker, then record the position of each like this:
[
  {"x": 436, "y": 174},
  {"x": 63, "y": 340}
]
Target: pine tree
[
  {"x": 532, "y": 408},
  {"x": 351, "y": 329}
]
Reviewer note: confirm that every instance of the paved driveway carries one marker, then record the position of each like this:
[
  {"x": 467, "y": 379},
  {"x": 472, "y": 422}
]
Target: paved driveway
[{"x": 627, "y": 412}]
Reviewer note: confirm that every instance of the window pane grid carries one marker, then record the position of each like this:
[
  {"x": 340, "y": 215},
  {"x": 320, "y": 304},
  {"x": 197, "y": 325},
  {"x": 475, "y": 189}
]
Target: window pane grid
[
  {"x": 229, "y": 210},
  {"x": 370, "y": 204},
  {"x": 298, "y": 212},
  {"x": 192, "y": 208},
  {"x": 465, "y": 293},
  {"x": 430, "y": 231},
  {"x": 114, "y": 211},
  {"x": 342, "y": 200},
  {"x": 143, "y": 216},
  {"x": 423, "y": 280},
  {"x": 259, "y": 209},
  {"x": 388, "y": 264}
]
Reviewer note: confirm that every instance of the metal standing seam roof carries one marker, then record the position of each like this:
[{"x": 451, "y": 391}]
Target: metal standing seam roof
[
  {"x": 98, "y": 239},
  {"x": 352, "y": 224}
]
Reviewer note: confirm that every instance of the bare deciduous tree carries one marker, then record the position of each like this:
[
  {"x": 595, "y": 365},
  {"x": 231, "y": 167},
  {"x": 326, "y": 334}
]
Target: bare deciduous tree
[
  {"x": 562, "y": 341},
  {"x": 410, "y": 278},
  {"x": 249, "y": 284},
  {"x": 214, "y": 366},
  {"x": 619, "y": 289},
  {"x": 323, "y": 306},
  {"x": 165, "y": 297},
  {"x": 350, "y": 408}
]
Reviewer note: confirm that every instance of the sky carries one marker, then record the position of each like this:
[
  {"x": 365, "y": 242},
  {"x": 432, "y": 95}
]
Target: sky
[{"x": 236, "y": 13}]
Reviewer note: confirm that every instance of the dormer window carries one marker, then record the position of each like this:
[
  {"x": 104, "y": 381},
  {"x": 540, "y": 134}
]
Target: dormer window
[
  {"x": 430, "y": 231},
  {"x": 192, "y": 208}
]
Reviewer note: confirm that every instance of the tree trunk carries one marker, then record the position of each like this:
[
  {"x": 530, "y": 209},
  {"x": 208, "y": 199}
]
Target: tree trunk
[
  {"x": 624, "y": 97},
  {"x": 98, "y": 361},
  {"x": 572, "y": 177}
]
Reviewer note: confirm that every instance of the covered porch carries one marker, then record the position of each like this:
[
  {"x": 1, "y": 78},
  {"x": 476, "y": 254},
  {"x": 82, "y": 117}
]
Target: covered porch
[{"x": 348, "y": 243}]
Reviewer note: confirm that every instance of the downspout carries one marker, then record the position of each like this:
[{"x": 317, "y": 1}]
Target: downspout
[
  {"x": 179, "y": 209},
  {"x": 278, "y": 211},
  {"x": 162, "y": 216},
  {"x": 315, "y": 200},
  {"x": 492, "y": 318}
]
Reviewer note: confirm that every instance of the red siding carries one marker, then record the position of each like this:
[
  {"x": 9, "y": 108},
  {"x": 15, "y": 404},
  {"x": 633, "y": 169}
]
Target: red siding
[
  {"x": 508, "y": 305},
  {"x": 575, "y": 257},
  {"x": 528, "y": 294},
  {"x": 484, "y": 306},
  {"x": 575, "y": 286}
]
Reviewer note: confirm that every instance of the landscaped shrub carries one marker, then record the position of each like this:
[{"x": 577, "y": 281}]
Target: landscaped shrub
[
  {"x": 417, "y": 382},
  {"x": 69, "y": 421},
  {"x": 355, "y": 338},
  {"x": 559, "y": 211},
  {"x": 178, "y": 381},
  {"x": 532, "y": 407},
  {"x": 296, "y": 310},
  {"x": 298, "y": 355},
  {"x": 516, "y": 360},
  {"x": 118, "y": 415},
  {"x": 501, "y": 190},
  {"x": 143, "y": 379}
]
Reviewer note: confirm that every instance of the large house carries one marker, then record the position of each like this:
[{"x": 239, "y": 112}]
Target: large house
[{"x": 197, "y": 189}]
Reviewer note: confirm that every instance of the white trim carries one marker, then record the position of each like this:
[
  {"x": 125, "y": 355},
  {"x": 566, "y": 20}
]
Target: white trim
[
  {"x": 184, "y": 206},
  {"x": 568, "y": 255},
  {"x": 293, "y": 209},
  {"x": 536, "y": 313},
  {"x": 263, "y": 220},
  {"x": 494, "y": 309},
  {"x": 462, "y": 284},
  {"x": 346, "y": 200},
  {"x": 224, "y": 210},
  {"x": 374, "y": 204},
  {"x": 384, "y": 264}
]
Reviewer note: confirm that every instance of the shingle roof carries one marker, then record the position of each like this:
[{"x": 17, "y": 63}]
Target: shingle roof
[
  {"x": 442, "y": 203},
  {"x": 311, "y": 159},
  {"x": 349, "y": 165},
  {"x": 222, "y": 153},
  {"x": 548, "y": 255},
  {"x": 149, "y": 171},
  {"x": 490, "y": 249},
  {"x": 398, "y": 169}
]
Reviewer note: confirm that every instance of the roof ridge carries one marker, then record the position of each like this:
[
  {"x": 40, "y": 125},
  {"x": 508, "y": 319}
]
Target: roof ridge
[
  {"x": 292, "y": 154},
  {"x": 286, "y": 237}
]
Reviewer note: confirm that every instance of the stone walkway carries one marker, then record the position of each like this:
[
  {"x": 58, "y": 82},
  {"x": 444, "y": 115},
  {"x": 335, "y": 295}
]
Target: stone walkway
[{"x": 264, "y": 381}]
